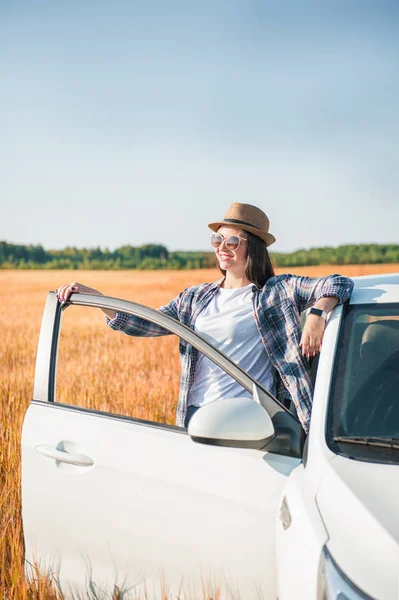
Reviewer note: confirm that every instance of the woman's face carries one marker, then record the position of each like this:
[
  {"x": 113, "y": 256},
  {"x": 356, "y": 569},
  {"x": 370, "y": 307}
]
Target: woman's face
[{"x": 235, "y": 260}]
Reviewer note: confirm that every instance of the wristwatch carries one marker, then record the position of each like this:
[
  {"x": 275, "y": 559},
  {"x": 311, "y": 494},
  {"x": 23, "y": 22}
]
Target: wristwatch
[{"x": 317, "y": 311}]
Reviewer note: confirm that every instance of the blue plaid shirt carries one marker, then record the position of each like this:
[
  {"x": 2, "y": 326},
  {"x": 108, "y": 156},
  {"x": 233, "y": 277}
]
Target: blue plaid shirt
[{"x": 277, "y": 307}]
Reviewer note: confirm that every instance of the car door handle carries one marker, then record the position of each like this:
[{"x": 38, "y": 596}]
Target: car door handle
[{"x": 80, "y": 460}]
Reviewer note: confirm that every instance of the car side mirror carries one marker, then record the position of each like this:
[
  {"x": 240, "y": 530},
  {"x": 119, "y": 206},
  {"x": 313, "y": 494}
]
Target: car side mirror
[{"x": 234, "y": 422}]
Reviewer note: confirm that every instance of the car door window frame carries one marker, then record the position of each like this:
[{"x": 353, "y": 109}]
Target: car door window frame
[{"x": 287, "y": 426}]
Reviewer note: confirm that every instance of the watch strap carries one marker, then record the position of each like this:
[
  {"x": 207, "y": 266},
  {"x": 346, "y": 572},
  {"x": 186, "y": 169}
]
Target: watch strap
[{"x": 318, "y": 312}]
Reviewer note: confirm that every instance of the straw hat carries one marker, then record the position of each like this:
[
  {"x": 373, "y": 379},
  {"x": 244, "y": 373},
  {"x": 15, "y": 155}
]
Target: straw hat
[{"x": 249, "y": 218}]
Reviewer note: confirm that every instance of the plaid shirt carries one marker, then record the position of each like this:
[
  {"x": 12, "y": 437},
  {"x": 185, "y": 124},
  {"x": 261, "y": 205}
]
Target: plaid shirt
[{"x": 277, "y": 307}]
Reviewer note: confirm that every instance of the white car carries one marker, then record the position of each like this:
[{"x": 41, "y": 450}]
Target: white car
[{"x": 242, "y": 500}]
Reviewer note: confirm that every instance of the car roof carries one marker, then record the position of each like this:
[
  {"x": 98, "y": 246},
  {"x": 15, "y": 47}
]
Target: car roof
[{"x": 378, "y": 289}]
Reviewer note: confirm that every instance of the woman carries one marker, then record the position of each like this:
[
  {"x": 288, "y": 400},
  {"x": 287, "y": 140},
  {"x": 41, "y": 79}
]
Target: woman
[{"x": 250, "y": 314}]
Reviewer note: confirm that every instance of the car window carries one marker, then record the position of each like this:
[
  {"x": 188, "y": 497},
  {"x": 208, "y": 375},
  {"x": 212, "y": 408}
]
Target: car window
[
  {"x": 82, "y": 363},
  {"x": 105, "y": 370},
  {"x": 364, "y": 400}
]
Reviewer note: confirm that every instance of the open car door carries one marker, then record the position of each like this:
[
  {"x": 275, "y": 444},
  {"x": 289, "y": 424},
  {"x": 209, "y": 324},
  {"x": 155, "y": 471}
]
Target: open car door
[{"x": 112, "y": 502}]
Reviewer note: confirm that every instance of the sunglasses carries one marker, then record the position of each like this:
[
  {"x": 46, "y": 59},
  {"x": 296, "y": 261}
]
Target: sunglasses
[{"x": 232, "y": 242}]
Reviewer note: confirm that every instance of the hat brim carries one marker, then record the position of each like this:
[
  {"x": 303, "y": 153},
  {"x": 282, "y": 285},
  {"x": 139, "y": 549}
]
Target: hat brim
[{"x": 268, "y": 238}]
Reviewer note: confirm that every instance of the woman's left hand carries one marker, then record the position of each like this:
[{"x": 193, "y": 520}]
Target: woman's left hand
[{"x": 312, "y": 335}]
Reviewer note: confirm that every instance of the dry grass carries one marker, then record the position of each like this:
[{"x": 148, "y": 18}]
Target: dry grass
[{"x": 88, "y": 349}]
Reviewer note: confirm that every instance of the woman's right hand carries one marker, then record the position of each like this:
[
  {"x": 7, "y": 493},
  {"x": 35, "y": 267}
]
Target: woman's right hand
[{"x": 67, "y": 289}]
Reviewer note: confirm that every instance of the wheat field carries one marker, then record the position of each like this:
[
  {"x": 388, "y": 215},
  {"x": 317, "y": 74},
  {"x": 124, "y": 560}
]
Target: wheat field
[{"x": 88, "y": 349}]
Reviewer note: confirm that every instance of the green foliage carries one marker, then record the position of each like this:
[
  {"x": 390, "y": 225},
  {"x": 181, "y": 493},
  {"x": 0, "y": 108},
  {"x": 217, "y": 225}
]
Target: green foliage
[
  {"x": 349, "y": 254},
  {"x": 156, "y": 256}
]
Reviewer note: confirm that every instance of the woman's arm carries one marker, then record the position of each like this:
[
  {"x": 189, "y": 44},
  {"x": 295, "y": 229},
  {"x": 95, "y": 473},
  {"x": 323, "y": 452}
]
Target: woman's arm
[
  {"x": 323, "y": 293},
  {"x": 313, "y": 331},
  {"x": 136, "y": 326},
  {"x": 129, "y": 324},
  {"x": 310, "y": 290}
]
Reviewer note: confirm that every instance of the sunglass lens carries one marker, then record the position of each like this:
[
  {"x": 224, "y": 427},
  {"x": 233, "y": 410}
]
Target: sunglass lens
[
  {"x": 233, "y": 242},
  {"x": 216, "y": 240}
]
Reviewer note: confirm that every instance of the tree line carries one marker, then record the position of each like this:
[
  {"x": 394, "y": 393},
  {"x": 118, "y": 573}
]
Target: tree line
[{"x": 157, "y": 256}]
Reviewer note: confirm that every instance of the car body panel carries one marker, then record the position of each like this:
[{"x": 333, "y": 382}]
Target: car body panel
[
  {"x": 300, "y": 541},
  {"x": 375, "y": 289},
  {"x": 358, "y": 502},
  {"x": 154, "y": 505}
]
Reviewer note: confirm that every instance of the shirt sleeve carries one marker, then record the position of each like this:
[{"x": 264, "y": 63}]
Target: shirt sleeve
[
  {"x": 136, "y": 326},
  {"x": 308, "y": 290}
]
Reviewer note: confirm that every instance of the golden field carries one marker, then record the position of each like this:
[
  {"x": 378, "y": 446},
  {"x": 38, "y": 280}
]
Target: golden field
[{"x": 142, "y": 376}]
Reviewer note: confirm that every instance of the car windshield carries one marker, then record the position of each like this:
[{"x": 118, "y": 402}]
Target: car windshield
[{"x": 363, "y": 417}]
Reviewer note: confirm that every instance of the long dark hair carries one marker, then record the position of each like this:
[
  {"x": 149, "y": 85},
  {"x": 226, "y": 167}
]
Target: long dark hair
[{"x": 259, "y": 267}]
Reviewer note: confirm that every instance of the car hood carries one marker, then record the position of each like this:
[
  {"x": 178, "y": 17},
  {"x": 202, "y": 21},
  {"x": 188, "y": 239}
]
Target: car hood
[{"x": 359, "y": 505}]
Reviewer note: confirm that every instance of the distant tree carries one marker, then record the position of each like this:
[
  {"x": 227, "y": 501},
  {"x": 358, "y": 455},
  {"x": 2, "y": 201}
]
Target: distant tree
[{"x": 157, "y": 256}]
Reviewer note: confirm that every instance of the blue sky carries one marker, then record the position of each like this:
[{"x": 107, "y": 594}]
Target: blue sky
[{"x": 141, "y": 121}]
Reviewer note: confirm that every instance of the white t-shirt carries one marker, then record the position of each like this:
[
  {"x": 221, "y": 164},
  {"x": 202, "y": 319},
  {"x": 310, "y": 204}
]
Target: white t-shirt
[{"x": 228, "y": 323}]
